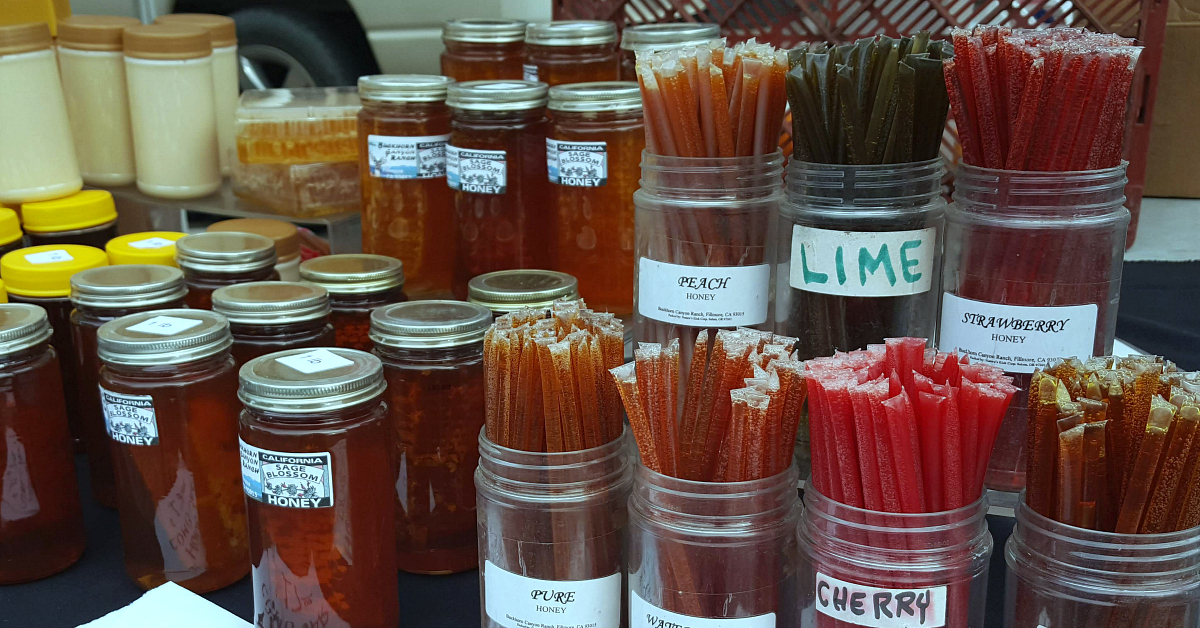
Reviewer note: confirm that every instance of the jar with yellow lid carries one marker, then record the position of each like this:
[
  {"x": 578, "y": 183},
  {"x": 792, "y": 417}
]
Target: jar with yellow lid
[
  {"x": 88, "y": 218},
  {"x": 215, "y": 259},
  {"x": 481, "y": 49},
  {"x": 652, "y": 37},
  {"x": 269, "y": 316},
  {"x": 357, "y": 284},
  {"x": 3, "y": 292},
  {"x": 507, "y": 291},
  {"x": 169, "y": 73},
  {"x": 92, "y": 60},
  {"x": 222, "y": 32},
  {"x": 11, "y": 237},
  {"x": 284, "y": 234},
  {"x": 572, "y": 51},
  {"x": 147, "y": 247},
  {"x": 41, "y": 275},
  {"x": 37, "y": 154}
]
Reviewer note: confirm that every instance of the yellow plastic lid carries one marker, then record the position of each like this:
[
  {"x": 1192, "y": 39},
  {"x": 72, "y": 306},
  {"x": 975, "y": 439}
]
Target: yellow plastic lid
[
  {"x": 147, "y": 247},
  {"x": 10, "y": 226},
  {"x": 81, "y": 210},
  {"x": 45, "y": 271},
  {"x": 3, "y": 293}
]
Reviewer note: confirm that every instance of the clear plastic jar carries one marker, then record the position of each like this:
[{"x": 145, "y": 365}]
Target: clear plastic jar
[
  {"x": 284, "y": 234},
  {"x": 169, "y": 392},
  {"x": 93, "y": 75},
  {"x": 37, "y": 154},
  {"x": 88, "y": 218},
  {"x": 316, "y": 468},
  {"x": 211, "y": 260},
  {"x": 572, "y": 51},
  {"x": 11, "y": 236},
  {"x": 496, "y": 165},
  {"x": 147, "y": 247},
  {"x": 1032, "y": 272},
  {"x": 650, "y": 37},
  {"x": 357, "y": 284},
  {"x": 593, "y": 156},
  {"x": 41, "y": 523},
  {"x": 714, "y": 550},
  {"x": 480, "y": 49},
  {"x": 1061, "y": 576},
  {"x": 408, "y": 211},
  {"x": 432, "y": 354},
  {"x": 553, "y": 522},
  {"x": 860, "y": 566},
  {"x": 100, "y": 295},
  {"x": 270, "y": 316},
  {"x": 507, "y": 291}
]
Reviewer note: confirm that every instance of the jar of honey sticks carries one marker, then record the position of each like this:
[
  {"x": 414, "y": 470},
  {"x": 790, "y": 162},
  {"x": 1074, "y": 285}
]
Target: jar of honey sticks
[
  {"x": 42, "y": 531},
  {"x": 432, "y": 354},
  {"x": 1032, "y": 272},
  {"x": 214, "y": 259},
  {"x": 357, "y": 284},
  {"x": 862, "y": 566},
  {"x": 507, "y": 291},
  {"x": 553, "y": 521},
  {"x": 480, "y": 49},
  {"x": 496, "y": 166},
  {"x": 317, "y": 471},
  {"x": 572, "y": 51},
  {"x": 593, "y": 153},
  {"x": 269, "y": 316},
  {"x": 714, "y": 550},
  {"x": 645, "y": 37}
]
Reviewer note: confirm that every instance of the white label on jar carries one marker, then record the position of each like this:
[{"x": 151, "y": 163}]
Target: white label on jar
[
  {"x": 129, "y": 419},
  {"x": 151, "y": 243},
  {"x": 516, "y": 601},
  {"x": 315, "y": 361},
  {"x": 1016, "y": 338},
  {"x": 48, "y": 257},
  {"x": 421, "y": 157},
  {"x": 643, "y": 614},
  {"x": 577, "y": 164},
  {"x": 703, "y": 296},
  {"x": 479, "y": 171},
  {"x": 529, "y": 72},
  {"x": 862, "y": 605},
  {"x": 291, "y": 480},
  {"x": 164, "y": 325},
  {"x": 863, "y": 263}
]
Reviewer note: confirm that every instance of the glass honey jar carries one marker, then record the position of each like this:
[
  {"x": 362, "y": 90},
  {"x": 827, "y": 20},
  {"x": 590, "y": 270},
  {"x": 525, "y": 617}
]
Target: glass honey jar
[
  {"x": 432, "y": 354},
  {"x": 479, "y": 49},
  {"x": 269, "y": 316},
  {"x": 507, "y": 291},
  {"x": 572, "y": 51},
  {"x": 317, "y": 469},
  {"x": 223, "y": 258},
  {"x": 357, "y": 283},
  {"x": 168, "y": 388}
]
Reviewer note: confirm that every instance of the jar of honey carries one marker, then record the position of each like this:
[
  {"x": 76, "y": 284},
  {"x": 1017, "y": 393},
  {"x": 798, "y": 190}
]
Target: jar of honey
[
  {"x": 357, "y": 284},
  {"x": 285, "y": 235},
  {"x": 41, "y": 526},
  {"x": 593, "y": 156},
  {"x": 651, "y": 37},
  {"x": 88, "y": 218},
  {"x": 270, "y": 316},
  {"x": 147, "y": 247},
  {"x": 11, "y": 236},
  {"x": 572, "y": 51},
  {"x": 496, "y": 165},
  {"x": 432, "y": 354},
  {"x": 100, "y": 295},
  {"x": 317, "y": 469},
  {"x": 168, "y": 388},
  {"x": 214, "y": 259},
  {"x": 408, "y": 212},
  {"x": 507, "y": 291},
  {"x": 480, "y": 49}
]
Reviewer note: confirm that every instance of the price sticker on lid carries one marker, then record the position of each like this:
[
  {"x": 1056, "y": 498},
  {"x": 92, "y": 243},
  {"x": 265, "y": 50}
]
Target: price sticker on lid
[
  {"x": 315, "y": 361},
  {"x": 151, "y": 243},
  {"x": 164, "y": 325},
  {"x": 49, "y": 257}
]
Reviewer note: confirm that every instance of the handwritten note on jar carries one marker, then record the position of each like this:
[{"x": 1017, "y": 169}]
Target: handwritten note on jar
[{"x": 880, "y": 608}]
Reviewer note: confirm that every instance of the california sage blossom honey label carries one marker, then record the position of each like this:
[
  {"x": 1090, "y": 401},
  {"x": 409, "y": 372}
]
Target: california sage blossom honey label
[
  {"x": 643, "y": 614},
  {"x": 703, "y": 296},
  {"x": 515, "y": 601},
  {"x": 529, "y": 72},
  {"x": 478, "y": 171},
  {"x": 577, "y": 164},
  {"x": 291, "y": 480},
  {"x": 1016, "y": 338},
  {"x": 863, "y": 263},
  {"x": 862, "y": 605},
  {"x": 129, "y": 419},
  {"x": 421, "y": 157}
]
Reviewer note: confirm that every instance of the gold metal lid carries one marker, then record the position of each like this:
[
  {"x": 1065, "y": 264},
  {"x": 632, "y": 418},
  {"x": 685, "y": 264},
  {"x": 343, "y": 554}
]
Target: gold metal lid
[
  {"x": 511, "y": 290},
  {"x": 285, "y": 234},
  {"x": 429, "y": 324},
  {"x": 222, "y": 30},
  {"x": 403, "y": 87},
  {"x": 497, "y": 95},
  {"x": 484, "y": 31},
  {"x": 667, "y": 36},
  {"x": 353, "y": 273},
  {"x": 127, "y": 285},
  {"x": 167, "y": 42},
  {"x": 614, "y": 96},
  {"x": 311, "y": 380},
  {"x": 27, "y": 37},
  {"x": 271, "y": 302},
  {"x": 93, "y": 32},
  {"x": 22, "y": 326},
  {"x": 224, "y": 252},
  {"x": 163, "y": 337},
  {"x": 571, "y": 33}
]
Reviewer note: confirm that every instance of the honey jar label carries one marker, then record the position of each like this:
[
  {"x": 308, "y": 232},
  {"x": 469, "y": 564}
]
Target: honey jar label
[
  {"x": 863, "y": 263},
  {"x": 529, "y": 72},
  {"x": 421, "y": 157},
  {"x": 643, "y": 614},
  {"x": 315, "y": 361},
  {"x": 48, "y": 257},
  {"x": 291, "y": 480},
  {"x": 152, "y": 243},
  {"x": 164, "y": 325},
  {"x": 129, "y": 419},
  {"x": 862, "y": 605},
  {"x": 515, "y": 601},
  {"x": 703, "y": 296},
  {"x": 478, "y": 171},
  {"x": 1016, "y": 338},
  {"x": 577, "y": 164}
]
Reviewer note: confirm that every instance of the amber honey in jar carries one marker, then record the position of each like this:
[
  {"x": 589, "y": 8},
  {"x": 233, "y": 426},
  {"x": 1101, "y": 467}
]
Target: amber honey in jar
[
  {"x": 593, "y": 158},
  {"x": 222, "y": 258},
  {"x": 653, "y": 37},
  {"x": 357, "y": 284},
  {"x": 432, "y": 354},
  {"x": 480, "y": 49},
  {"x": 408, "y": 212},
  {"x": 100, "y": 295},
  {"x": 496, "y": 165},
  {"x": 507, "y": 291},
  {"x": 270, "y": 316},
  {"x": 318, "y": 472},
  {"x": 41, "y": 522},
  {"x": 168, "y": 388},
  {"x": 572, "y": 51},
  {"x": 88, "y": 218}
]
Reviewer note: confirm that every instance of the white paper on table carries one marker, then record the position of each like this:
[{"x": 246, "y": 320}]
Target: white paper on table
[{"x": 169, "y": 606}]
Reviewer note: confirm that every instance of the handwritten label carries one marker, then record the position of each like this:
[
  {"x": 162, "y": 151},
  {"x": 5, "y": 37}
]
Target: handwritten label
[
  {"x": 479, "y": 171},
  {"x": 703, "y": 296},
  {"x": 48, "y": 257},
  {"x": 291, "y": 480},
  {"x": 315, "y": 361},
  {"x": 177, "y": 524},
  {"x": 18, "y": 498},
  {"x": 129, "y": 419},
  {"x": 529, "y": 72},
  {"x": 643, "y": 614},
  {"x": 291, "y": 598},
  {"x": 516, "y": 601},
  {"x": 1016, "y": 338},
  {"x": 422, "y": 157},
  {"x": 880, "y": 608},
  {"x": 151, "y": 243},
  {"x": 863, "y": 264},
  {"x": 164, "y": 325},
  {"x": 577, "y": 164}
]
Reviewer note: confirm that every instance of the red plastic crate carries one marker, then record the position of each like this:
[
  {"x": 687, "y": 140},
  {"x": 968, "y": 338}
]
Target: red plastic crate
[{"x": 786, "y": 23}]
